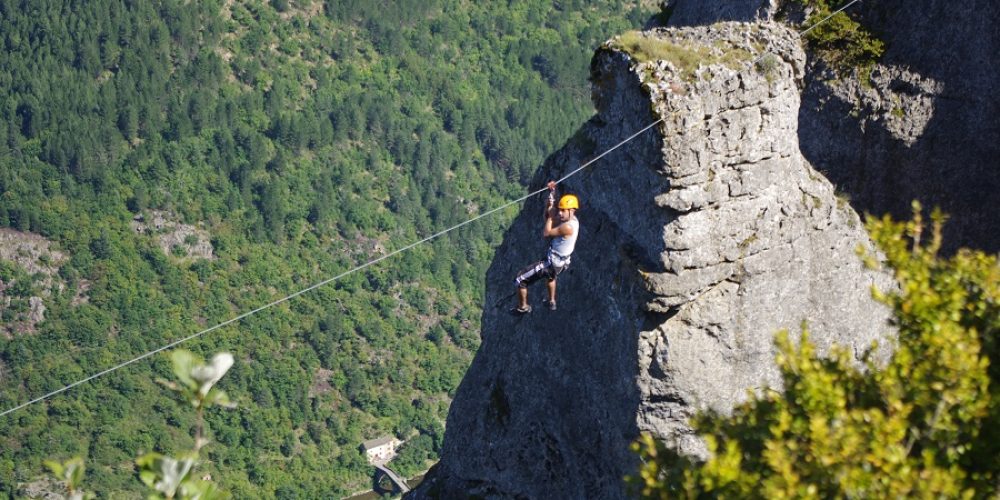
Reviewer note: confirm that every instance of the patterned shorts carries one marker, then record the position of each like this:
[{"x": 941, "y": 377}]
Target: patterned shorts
[{"x": 537, "y": 271}]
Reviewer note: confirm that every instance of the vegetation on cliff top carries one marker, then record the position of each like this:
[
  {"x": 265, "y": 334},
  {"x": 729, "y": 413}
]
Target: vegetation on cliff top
[{"x": 686, "y": 57}]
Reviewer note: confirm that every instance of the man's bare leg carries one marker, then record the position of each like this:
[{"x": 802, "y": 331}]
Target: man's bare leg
[{"x": 522, "y": 296}]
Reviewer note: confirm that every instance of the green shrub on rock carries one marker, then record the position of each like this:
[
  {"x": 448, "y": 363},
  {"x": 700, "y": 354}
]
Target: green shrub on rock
[{"x": 841, "y": 41}]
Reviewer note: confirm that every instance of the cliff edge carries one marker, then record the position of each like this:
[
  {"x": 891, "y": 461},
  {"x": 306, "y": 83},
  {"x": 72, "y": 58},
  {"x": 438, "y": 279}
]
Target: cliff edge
[{"x": 700, "y": 239}]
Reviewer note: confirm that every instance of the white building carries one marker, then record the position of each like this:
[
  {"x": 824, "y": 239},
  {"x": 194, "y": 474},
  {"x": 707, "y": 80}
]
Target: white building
[{"x": 380, "y": 450}]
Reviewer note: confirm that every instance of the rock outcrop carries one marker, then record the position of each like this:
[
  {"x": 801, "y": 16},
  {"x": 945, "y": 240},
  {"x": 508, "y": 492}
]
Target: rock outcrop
[
  {"x": 174, "y": 237},
  {"x": 921, "y": 126},
  {"x": 39, "y": 262},
  {"x": 700, "y": 239}
]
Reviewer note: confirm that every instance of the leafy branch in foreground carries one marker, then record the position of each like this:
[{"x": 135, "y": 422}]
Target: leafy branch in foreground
[
  {"x": 171, "y": 477},
  {"x": 197, "y": 385},
  {"x": 921, "y": 425}
]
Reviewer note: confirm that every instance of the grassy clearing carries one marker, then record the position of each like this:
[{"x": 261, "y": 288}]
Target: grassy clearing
[{"x": 687, "y": 58}]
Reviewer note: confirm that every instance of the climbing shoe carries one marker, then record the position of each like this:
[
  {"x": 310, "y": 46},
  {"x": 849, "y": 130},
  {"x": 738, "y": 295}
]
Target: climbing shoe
[
  {"x": 550, "y": 304},
  {"x": 521, "y": 310}
]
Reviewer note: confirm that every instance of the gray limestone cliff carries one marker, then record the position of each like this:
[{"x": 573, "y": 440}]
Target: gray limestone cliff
[{"x": 700, "y": 239}]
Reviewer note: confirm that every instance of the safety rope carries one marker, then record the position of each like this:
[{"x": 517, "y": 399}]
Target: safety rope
[{"x": 324, "y": 282}]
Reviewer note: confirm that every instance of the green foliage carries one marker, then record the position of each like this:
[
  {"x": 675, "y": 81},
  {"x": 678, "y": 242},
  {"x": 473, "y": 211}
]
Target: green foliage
[
  {"x": 841, "y": 41},
  {"x": 415, "y": 456},
  {"x": 18, "y": 289},
  {"x": 923, "y": 425}
]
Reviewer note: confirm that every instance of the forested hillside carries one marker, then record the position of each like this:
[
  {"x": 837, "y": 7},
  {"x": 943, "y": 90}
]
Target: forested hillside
[{"x": 182, "y": 162}]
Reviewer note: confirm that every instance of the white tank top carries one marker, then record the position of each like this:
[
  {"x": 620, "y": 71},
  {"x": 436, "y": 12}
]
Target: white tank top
[{"x": 563, "y": 246}]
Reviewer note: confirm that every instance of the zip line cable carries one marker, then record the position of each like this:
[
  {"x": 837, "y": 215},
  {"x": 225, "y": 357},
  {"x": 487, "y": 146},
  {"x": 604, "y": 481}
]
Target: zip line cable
[
  {"x": 324, "y": 282},
  {"x": 371, "y": 262},
  {"x": 827, "y": 18}
]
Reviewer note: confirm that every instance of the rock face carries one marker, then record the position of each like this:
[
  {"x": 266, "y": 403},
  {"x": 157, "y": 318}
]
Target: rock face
[
  {"x": 925, "y": 126},
  {"x": 700, "y": 12},
  {"x": 700, "y": 239}
]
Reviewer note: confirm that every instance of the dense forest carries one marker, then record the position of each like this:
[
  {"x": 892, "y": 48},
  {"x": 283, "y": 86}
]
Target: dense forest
[{"x": 167, "y": 165}]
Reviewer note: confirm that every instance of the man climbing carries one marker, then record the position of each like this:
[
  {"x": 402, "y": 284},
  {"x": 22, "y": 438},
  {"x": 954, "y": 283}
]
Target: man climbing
[{"x": 562, "y": 227}]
